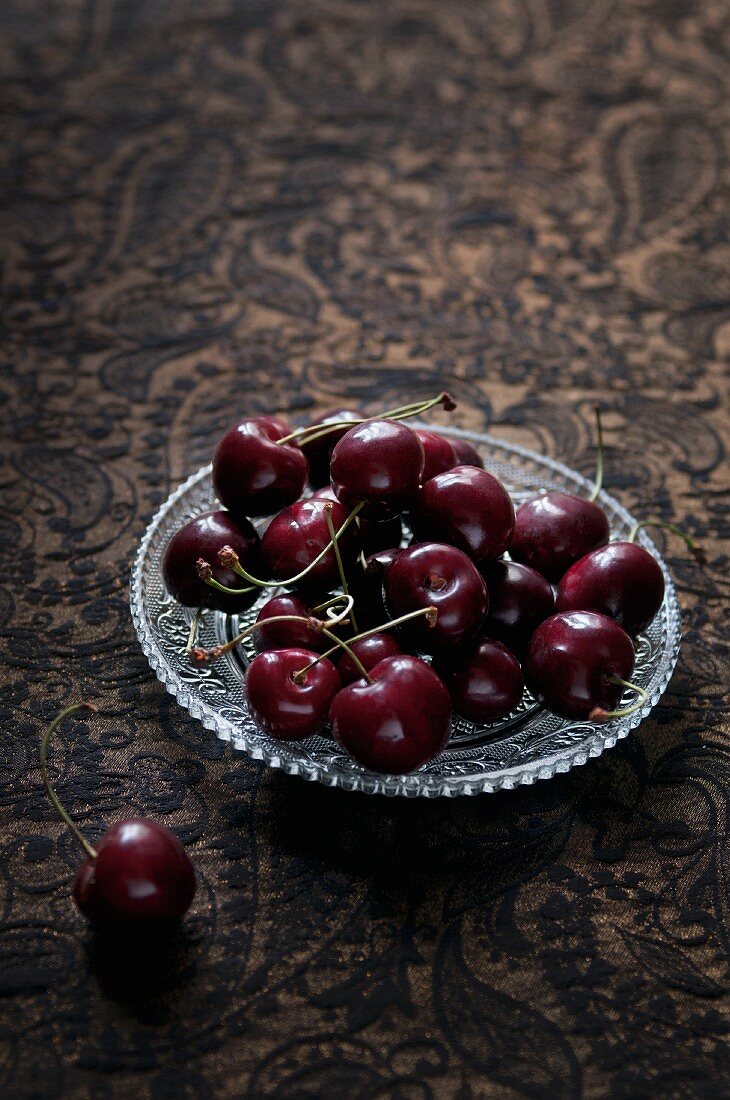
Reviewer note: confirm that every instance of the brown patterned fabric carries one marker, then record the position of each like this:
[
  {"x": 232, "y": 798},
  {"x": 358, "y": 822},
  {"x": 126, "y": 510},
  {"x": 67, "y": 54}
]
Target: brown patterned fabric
[{"x": 211, "y": 209}]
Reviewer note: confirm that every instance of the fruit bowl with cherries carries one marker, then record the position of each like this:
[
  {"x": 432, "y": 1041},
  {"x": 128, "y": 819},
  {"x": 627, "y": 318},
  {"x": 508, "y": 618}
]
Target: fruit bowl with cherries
[{"x": 378, "y": 604}]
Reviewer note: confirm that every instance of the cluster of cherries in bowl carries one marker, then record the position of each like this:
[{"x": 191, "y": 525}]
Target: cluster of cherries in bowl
[{"x": 380, "y": 641}]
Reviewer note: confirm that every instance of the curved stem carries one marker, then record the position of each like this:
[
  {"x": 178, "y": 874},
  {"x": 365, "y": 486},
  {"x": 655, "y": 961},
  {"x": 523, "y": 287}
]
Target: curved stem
[
  {"x": 298, "y": 676},
  {"x": 599, "y": 455},
  {"x": 416, "y": 408},
  {"x": 45, "y": 741},
  {"x": 431, "y": 614},
  {"x": 338, "y": 556},
  {"x": 697, "y": 552},
  {"x": 204, "y": 655},
  {"x": 598, "y": 714},
  {"x": 193, "y": 630},
  {"x": 230, "y": 559}
]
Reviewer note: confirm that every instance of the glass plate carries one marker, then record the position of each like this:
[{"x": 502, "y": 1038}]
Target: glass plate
[{"x": 529, "y": 744}]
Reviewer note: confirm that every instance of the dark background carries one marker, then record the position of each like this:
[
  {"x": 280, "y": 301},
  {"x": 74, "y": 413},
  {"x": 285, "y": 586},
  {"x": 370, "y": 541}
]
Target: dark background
[{"x": 211, "y": 209}]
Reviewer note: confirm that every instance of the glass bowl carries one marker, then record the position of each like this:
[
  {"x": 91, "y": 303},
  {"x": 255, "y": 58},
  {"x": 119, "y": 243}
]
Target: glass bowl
[{"x": 529, "y": 744}]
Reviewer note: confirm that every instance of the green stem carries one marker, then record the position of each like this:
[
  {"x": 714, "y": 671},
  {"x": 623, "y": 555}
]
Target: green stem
[
  {"x": 204, "y": 655},
  {"x": 598, "y": 714},
  {"x": 338, "y": 556},
  {"x": 599, "y": 455},
  {"x": 431, "y": 612},
  {"x": 416, "y": 408},
  {"x": 193, "y": 630},
  {"x": 299, "y": 676},
  {"x": 45, "y": 741},
  {"x": 696, "y": 550}
]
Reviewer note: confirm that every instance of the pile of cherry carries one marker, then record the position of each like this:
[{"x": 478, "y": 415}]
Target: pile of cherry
[{"x": 381, "y": 642}]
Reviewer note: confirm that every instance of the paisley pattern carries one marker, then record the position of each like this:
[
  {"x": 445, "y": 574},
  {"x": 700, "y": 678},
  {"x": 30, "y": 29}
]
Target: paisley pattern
[{"x": 212, "y": 210}]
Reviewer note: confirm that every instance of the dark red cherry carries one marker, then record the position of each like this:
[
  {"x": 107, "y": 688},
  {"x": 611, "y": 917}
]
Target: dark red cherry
[
  {"x": 372, "y": 534},
  {"x": 570, "y": 659},
  {"x": 380, "y": 462},
  {"x": 298, "y": 534},
  {"x": 621, "y": 580},
  {"x": 141, "y": 876},
  {"x": 519, "y": 600},
  {"x": 438, "y": 453},
  {"x": 286, "y": 707},
  {"x": 484, "y": 679},
  {"x": 555, "y": 530},
  {"x": 466, "y": 453},
  {"x": 253, "y": 475},
  {"x": 203, "y": 537},
  {"x": 283, "y": 635},
  {"x": 369, "y": 652},
  {"x": 319, "y": 451},
  {"x": 433, "y": 574},
  {"x": 468, "y": 508},
  {"x": 397, "y": 723}
]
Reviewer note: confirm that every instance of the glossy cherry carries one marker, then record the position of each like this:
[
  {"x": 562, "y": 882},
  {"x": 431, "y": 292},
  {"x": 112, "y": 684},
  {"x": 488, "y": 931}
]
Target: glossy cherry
[
  {"x": 253, "y": 475},
  {"x": 434, "y": 574},
  {"x": 439, "y": 454},
  {"x": 468, "y": 508},
  {"x": 466, "y": 453},
  {"x": 286, "y": 706},
  {"x": 298, "y": 534},
  {"x": 286, "y": 635},
  {"x": 369, "y": 651},
  {"x": 380, "y": 462},
  {"x": 555, "y": 530},
  {"x": 319, "y": 451},
  {"x": 396, "y": 723},
  {"x": 141, "y": 875},
  {"x": 519, "y": 600},
  {"x": 203, "y": 537},
  {"x": 484, "y": 679},
  {"x": 570, "y": 660},
  {"x": 621, "y": 580}
]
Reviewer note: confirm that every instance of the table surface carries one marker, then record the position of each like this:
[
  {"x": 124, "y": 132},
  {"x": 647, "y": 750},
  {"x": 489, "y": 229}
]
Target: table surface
[{"x": 217, "y": 209}]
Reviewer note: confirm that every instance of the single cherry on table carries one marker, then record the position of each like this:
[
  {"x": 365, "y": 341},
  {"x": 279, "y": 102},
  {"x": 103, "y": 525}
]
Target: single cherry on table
[
  {"x": 254, "y": 473},
  {"x": 138, "y": 875}
]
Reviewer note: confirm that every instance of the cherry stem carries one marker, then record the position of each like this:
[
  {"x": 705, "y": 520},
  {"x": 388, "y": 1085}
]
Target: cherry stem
[
  {"x": 599, "y": 455},
  {"x": 205, "y": 655},
  {"x": 298, "y": 676},
  {"x": 340, "y": 567},
  {"x": 193, "y": 631},
  {"x": 229, "y": 558},
  {"x": 431, "y": 614},
  {"x": 45, "y": 741},
  {"x": 416, "y": 408},
  {"x": 598, "y": 714},
  {"x": 697, "y": 552}
]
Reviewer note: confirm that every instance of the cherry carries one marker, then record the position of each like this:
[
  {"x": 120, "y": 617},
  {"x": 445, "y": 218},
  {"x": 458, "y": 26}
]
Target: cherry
[
  {"x": 555, "y": 530},
  {"x": 380, "y": 462},
  {"x": 432, "y": 574},
  {"x": 203, "y": 537},
  {"x": 578, "y": 663},
  {"x": 253, "y": 475},
  {"x": 484, "y": 680},
  {"x": 298, "y": 534},
  {"x": 139, "y": 873},
  {"x": 287, "y": 706},
  {"x": 285, "y": 635},
  {"x": 319, "y": 451},
  {"x": 439, "y": 454},
  {"x": 467, "y": 507},
  {"x": 519, "y": 600},
  {"x": 369, "y": 652},
  {"x": 397, "y": 721},
  {"x": 621, "y": 580},
  {"x": 466, "y": 453},
  {"x": 373, "y": 534}
]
